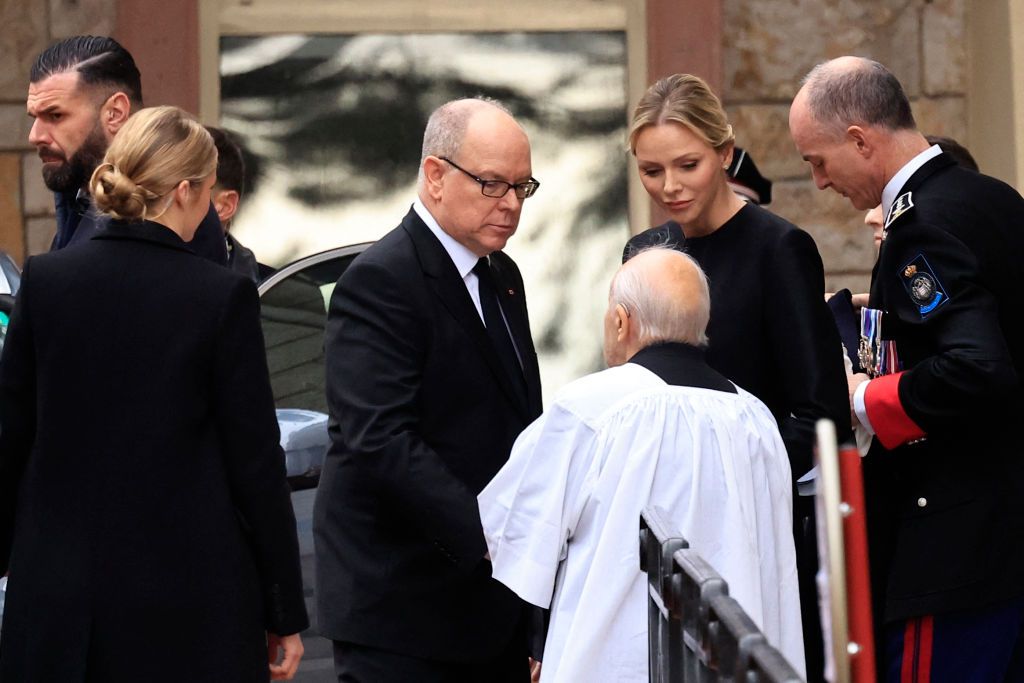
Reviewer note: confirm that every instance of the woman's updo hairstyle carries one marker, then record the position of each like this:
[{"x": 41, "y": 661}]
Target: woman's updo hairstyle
[
  {"x": 155, "y": 150},
  {"x": 687, "y": 100}
]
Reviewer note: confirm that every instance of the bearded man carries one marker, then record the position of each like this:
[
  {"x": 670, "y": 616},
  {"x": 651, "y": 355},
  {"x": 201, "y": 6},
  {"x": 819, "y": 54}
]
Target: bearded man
[{"x": 81, "y": 91}]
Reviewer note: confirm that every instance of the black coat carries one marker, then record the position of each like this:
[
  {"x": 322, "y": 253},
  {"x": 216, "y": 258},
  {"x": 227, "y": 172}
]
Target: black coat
[
  {"x": 144, "y": 513},
  {"x": 78, "y": 221},
  {"x": 946, "y": 515},
  {"x": 423, "y": 417}
]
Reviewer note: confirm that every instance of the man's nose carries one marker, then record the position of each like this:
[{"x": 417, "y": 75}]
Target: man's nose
[
  {"x": 38, "y": 134},
  {"x": 511, "y": 201},
  {"x": 821, "y": 179}
]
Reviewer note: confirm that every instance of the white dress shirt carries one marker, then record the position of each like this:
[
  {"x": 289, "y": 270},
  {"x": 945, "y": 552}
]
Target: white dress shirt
[
  {"x": 464, "y": 261},
  {"x": 461, "y": 256}
]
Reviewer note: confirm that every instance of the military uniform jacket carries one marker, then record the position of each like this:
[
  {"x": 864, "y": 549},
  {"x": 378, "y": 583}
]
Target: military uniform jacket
[{"x": 945, "y": 478}]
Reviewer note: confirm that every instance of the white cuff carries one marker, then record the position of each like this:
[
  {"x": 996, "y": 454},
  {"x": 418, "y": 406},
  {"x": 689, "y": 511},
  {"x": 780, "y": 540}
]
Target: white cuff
[{"x": 860, "y": 409}]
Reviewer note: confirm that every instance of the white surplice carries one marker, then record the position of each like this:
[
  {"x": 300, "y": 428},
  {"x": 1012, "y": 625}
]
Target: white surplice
[{"x": 562, "y": 517}]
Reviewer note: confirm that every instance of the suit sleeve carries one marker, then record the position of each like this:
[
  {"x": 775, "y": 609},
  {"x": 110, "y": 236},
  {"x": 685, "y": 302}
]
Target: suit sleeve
[
  {"x": 376, "y": 346},
  {"x": 968, "y": 366},
  {"x": 17, "y": 412},
  {"x": 250, "y": 442},
  {"x": 805, "y": 348}
]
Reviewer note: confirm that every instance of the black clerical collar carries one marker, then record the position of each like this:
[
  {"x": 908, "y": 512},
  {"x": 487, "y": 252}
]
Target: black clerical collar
[{"x": 681, "y": 365}]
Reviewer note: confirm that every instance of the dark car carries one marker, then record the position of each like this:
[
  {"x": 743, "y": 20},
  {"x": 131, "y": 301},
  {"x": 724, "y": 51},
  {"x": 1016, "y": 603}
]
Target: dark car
[{"x": 293, "y": 303}]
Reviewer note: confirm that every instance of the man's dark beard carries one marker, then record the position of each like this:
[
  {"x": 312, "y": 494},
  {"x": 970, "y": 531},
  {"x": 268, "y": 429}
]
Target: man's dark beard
[{"x": 74, "y": 173}]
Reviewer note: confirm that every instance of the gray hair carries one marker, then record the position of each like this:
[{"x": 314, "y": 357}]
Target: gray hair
[
  {"x": 861, "y": 93},
  {"x": 657, "y": 317},
  {"x": 446, "y": 127}
]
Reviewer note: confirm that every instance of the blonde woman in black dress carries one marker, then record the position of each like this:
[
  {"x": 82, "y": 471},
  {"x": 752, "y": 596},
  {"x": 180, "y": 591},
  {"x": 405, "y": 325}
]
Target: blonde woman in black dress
[{"x": 770, "y": 330}]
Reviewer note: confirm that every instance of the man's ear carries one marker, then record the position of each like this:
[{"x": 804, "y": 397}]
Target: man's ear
[
  {"x": 861, "y": 140},
  {"x": 433, "y": 176},
  {"x": 226, "y": 204},
  {"x": 623, "y": 323},
  {"x": 114, "y": 112}
]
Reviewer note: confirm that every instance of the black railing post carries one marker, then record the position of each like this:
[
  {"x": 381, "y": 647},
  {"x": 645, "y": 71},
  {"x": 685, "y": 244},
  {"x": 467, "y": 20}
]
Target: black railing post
[
  {"x": 697, "y": 632},
  {"x": 698, "y": 583},
  {"x": 658, "y": 541}
]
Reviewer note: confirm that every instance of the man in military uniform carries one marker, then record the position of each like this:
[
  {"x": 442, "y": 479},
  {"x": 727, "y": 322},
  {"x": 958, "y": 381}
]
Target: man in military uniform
[{"x": 945, "y": 475}]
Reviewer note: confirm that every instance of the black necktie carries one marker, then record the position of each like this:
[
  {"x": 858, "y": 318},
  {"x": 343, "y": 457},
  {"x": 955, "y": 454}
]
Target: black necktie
[{"x": 496, "y": 328}]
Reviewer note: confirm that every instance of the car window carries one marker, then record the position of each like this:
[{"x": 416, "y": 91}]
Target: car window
[{"x": 293, "y": 305}]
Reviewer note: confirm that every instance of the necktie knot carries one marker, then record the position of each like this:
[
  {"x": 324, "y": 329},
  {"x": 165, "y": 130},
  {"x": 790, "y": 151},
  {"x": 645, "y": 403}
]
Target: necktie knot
[{"x": 483, "y": 268}]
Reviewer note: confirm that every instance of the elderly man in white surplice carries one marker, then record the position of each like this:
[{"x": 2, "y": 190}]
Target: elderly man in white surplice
[{"x": 659, "y": 427}]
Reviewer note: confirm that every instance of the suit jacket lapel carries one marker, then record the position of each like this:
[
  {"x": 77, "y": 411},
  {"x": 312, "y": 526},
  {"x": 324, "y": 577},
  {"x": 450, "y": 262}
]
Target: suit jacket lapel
[{"x": 451, "y": 289}]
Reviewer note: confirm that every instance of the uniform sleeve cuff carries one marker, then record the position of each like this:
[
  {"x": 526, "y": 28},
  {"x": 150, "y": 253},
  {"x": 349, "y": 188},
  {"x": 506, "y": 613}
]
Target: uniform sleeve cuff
[
  {"x": 860, "y": 409},
  {"x": 892, "y": 425}
]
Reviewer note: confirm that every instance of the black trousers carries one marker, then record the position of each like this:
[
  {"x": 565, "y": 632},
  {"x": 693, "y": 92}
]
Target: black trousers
[
  {"x": 361, "y": 664},
  {"x": 805, "y": 536}
]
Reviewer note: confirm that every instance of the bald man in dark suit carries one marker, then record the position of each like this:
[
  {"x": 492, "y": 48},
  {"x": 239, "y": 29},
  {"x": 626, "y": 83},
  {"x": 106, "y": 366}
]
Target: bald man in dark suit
[{"x": 431, "y": 375}]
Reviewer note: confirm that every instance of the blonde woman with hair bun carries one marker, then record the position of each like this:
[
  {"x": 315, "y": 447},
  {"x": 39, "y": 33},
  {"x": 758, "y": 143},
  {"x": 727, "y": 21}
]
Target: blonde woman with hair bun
[
  {"x": 160, "y": 167},
  {"x": 145, "y": 519},
  {"x": 770, "y": 331}
]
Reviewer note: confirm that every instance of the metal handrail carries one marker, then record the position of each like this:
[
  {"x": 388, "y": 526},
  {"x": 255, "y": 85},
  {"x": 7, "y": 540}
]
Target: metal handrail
[{"x": 697, "y": 632}]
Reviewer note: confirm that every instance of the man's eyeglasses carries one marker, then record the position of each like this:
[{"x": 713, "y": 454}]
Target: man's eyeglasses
[{"x": 499, "y": 188}]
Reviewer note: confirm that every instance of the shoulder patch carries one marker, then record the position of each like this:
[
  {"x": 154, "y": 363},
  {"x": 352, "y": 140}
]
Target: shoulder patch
[
  {"x": 903, "y": 203},
  {"x": 923, "y": 285}
]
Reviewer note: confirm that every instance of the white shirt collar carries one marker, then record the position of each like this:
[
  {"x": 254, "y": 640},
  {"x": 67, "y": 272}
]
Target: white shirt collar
[
  {"x": 896, "y": 183},
  {"x": 461, "y": 256}
]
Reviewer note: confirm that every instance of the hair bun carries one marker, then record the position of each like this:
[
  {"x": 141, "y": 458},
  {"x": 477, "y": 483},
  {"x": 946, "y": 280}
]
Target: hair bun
[{"x": 117, "y": 194}]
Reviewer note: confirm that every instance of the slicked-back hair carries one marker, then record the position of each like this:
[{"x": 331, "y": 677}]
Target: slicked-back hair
[
  {"x": 867, "y": 94},
  {"x": 659, "y": 318},
  {"x": 101, "y": 63},
  {"x": 230, "y": 165}
]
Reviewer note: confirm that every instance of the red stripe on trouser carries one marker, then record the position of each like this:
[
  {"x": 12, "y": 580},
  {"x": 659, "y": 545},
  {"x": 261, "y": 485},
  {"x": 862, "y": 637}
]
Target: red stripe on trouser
[
  {"x": 909, "y": 640},
  {"x": 924, "y": 658},
  {"x": 916, "y": 666}
]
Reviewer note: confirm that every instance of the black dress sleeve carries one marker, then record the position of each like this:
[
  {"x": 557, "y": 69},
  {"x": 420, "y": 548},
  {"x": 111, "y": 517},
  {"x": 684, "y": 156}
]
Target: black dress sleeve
[{"x": 805, "y": 347}]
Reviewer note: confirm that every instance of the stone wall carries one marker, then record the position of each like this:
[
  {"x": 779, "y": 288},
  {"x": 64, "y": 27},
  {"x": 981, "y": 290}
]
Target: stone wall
[
  {"x": 770, "y": 44},
  {"x": 26, "y": 206}
]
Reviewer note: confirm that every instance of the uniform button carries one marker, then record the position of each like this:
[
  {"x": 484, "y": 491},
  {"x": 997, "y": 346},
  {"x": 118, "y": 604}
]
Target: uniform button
[{"x": 922, "y": 502}]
